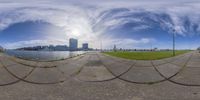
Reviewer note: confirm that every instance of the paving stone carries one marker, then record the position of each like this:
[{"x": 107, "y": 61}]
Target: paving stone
[
  {"x": 168, "y": 69},
  {"x": 142, "y": 74},
  {"x": 193, "y": 64},
  {"x": 180, "y": 61},
  {"x": 20, "y": 70},
  {"x": 7, "y": 62},
  {"x": 94, "y": 74},
  {"x": 159, "y": 62},
  {"x": 74, "y": 66},
  {"x": 111, "y": 90},
  {"x": 46, "y": 75},
  {"x": 142, "y": 63},
  {"x": 5, "y": 77},
  {"x": 188, "y": 76},
  {"x": 117, "y": 67}
]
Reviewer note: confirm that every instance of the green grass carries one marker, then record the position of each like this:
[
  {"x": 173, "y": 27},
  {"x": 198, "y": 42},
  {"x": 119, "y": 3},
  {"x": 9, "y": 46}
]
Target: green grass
[{"x": 154, "y": 55}]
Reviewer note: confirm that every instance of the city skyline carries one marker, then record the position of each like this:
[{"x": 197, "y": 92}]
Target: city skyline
[
  {"x": 132, "y": 24},
  {"x": 72, "y": 46},
  {"x": 100, "y": 49}
]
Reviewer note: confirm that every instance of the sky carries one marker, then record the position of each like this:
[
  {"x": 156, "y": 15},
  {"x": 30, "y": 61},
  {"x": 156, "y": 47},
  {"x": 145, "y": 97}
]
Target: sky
[{"x": 127, "y": 24}]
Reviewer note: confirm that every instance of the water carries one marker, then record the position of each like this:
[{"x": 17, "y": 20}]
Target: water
[{"x": 43, "y": 55}]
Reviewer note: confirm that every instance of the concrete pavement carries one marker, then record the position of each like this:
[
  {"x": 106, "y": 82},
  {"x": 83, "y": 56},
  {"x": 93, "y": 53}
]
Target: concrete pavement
[{"x": 95, "y": 76}]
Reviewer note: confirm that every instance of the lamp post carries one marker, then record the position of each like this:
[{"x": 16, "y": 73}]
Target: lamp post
[
  {"x": 173, "y": 42},
  {"x": 101, "y": 45}
]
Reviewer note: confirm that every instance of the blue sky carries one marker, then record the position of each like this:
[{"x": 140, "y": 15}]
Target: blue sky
[{"x": 127, "y": 23}]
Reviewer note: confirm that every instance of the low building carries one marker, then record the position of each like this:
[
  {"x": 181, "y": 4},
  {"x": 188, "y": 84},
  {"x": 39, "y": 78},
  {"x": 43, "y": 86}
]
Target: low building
[
  {"x": 1, "y": 49},
  {"x": 85, "y": 46},
  {"x": 61, "y": 48},
  {"x": 115, "y": 48},
  {"x": 198, "y": 49}
]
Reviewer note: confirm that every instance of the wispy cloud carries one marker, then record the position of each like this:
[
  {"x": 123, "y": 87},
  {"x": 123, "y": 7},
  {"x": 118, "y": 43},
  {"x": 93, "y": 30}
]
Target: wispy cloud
[
  {"x": 142, "y": 27},
  {"x": 90, "y": 21}
]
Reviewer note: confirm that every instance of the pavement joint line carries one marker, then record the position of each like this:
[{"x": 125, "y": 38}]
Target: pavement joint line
[
  {"x": 89, "y": 81},
  {"x": 48, "y": 60},
  {"x": 28, "y": 75},
  {"x": 144, "y": 82},
  {"x": 81, "y": 67},
  {"x": 115, "y": 76},
  {"x": 135, "y": 82},
  {"x": 192, "y": 67},
  {"x": 105, "y": 80},
  {"x": 27, "y": 81},
  {"x": 169, "y": 62},
  {"x": 10, "y": 65},
  {"x": 28, "y": 65},
  {"x": 150, "y": 82},
  {"x": 40, "y": 66},
  {"x": 175, "y": 82},
  {"x": 18, "y": 80}
]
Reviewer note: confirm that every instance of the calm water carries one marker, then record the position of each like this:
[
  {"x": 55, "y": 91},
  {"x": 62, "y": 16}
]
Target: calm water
[{"x": 43, "y": 55}]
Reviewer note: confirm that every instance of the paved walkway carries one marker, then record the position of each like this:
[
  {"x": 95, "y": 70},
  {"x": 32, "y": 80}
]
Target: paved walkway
[{"x": 96, "y": 76}]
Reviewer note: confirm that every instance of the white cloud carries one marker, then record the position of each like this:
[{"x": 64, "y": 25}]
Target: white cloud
[
  {"x": 141, "y": 27},
  {"x": 87, "y": 21}
]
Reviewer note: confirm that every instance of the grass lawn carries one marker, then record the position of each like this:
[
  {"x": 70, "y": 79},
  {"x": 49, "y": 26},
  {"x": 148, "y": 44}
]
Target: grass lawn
[{"x": 154, "y": 55}]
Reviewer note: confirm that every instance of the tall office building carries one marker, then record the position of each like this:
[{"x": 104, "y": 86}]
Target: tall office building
[
  {"x": 73, "y": 44},
  {"x": 85, "y": 46}
]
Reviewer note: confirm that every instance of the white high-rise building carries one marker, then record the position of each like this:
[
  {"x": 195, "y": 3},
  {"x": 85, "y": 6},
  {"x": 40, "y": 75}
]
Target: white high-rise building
[{"x": 73, "y": 44}]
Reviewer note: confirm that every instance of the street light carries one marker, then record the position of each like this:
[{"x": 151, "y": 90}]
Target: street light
[
  {"x": 173, "y": 42},
  {"x": 101, "y": 45}
]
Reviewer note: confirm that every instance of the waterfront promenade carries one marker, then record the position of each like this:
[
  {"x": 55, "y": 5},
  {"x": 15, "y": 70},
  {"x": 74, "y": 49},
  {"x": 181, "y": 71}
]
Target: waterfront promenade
[{"x": 95, "y": 76}]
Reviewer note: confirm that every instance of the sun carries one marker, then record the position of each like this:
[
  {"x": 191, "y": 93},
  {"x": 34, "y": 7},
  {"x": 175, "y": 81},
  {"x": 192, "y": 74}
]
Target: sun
[{"x": 76, "y": 33}]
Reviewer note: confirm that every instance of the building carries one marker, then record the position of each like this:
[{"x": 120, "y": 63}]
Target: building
[
  {"x": 114, "y": 48},
  {"x": 73, "y": 44},
  {"x": 85, "y": 46},
  {"x": 45, "y": 48},
  {"x": 51, "y": 48},
  {"x": 198, "y": 49},
  {"x": 61, "y": 48},
  {"x": 1, "y": 49}
]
